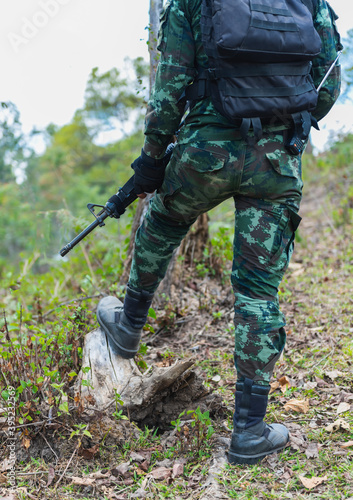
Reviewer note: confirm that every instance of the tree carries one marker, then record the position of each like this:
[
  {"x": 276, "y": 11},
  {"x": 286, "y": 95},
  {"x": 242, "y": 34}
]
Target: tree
[
  {"x": 156, "y": 7},
  {"x": 110, "y": 98},
  {"x": 12, "y": 144}
]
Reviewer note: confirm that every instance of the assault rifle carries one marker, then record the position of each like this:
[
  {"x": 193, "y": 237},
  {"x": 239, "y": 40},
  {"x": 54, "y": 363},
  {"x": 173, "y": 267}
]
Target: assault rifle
[{"x": 123, "y": 198}]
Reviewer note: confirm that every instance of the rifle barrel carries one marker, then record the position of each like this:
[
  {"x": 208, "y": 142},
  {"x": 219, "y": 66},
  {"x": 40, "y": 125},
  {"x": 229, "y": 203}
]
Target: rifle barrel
[{"x": 100, "y": 218}]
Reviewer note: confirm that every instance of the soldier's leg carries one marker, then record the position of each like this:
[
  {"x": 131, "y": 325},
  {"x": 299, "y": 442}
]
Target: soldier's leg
[
  {"x": 265, "y": 224},
  {"x": 263, "y": 245},
  {"x": 195, "y": 182}
]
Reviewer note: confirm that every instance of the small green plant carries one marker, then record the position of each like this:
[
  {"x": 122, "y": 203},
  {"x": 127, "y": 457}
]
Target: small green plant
[
  {"x": 177, "y": 423},
  {"x": 202, "y": 270},
  {"x": 81, "y": 430},
  {"x": 217, "y": 315},
  {"x": 141, "y": 363},
  {"x": 193, "y": 433},
  {"x": 119, "y": 414},
  {"x": 41, "y": 359},
  {"x": 202, "y": 424}
]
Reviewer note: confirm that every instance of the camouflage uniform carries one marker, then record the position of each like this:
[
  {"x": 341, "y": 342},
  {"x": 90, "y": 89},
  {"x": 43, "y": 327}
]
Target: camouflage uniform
[{"x": 212, "y": 163}]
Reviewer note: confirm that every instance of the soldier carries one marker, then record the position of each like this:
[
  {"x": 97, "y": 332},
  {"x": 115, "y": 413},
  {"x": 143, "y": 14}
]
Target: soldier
[{"x": 215, "y": 159}]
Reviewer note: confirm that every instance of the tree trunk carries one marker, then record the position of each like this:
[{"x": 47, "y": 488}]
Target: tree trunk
[{"x": 156, "y": 7}]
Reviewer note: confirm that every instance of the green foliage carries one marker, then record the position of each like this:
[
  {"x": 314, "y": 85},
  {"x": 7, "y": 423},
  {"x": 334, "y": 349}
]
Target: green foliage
[
  {"x": 40, "y": 359},
  {"x": 110, "y": 97},
  {"x": 73, "y": 170},
  {"x": 334, "y": 170},
  {"x": 217, "y": 255},
  {"x": 202, "y": 423},
  {"x": 18, "y": 230},
  {"x": 194, "y": 434},
  {"x": 12, "y": 143}
]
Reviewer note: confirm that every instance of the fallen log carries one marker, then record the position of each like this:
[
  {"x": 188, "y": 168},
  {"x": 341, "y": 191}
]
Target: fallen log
[{"x": 154, "y": 397}]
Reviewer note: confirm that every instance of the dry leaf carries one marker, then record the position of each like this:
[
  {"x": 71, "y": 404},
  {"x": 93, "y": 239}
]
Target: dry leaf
[
  {"x": 144, "y": 465},
  {"x": 343, "y": 407},
  {"x": 83, "y": 481},
  {"x": 122, "y": 470},
  {"x": 334, "y": 374},
  {"x": 161, "y": 473},
  {"x": 300, "y": 405},
  {"x": 88, "y": 453},
  {"x": 274, "y": 386},
  {"x": 139, "y": 494},
  {"x": 348, "y": 444},
  {"x": 5, "y": 465},
  {"x": 297, "y": 442},
  {"x": 312, "y": 450},
  {"x": 136, "y": 457},
  {"x": 26, "y": 442},
  {"x": 295, "y": 266},
  {"x": 51, "y": 476},
  {"x": 178, "y": 469},
  {"x": 99, "y": 475},
  {"x": 284, "y": 383},
  {"x": 312, "y": 482},
  {"x": 337, "y": 425},
  {"x": 3, "y": 480},
  {"x": 310, "y": 385}
]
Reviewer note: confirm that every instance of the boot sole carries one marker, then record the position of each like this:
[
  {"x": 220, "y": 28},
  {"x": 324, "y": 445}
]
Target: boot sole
[
  {"x": 114, "y": 345},
  {"x": 236, "y": 458}
]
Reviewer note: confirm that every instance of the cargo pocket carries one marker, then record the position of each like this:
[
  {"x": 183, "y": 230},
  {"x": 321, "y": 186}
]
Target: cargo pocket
[
  {"x": 285, "y": 164},
  {"x": 191, "y": 185},
  {"x": 203, "y": 160}
]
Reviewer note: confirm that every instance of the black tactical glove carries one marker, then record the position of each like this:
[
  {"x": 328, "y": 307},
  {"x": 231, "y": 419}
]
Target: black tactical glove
[{"x": 149, "y": 173}]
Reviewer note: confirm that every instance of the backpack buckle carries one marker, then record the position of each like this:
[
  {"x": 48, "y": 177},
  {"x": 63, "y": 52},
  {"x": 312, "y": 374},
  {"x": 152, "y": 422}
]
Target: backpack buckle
[{"x": 212, "y": 74}]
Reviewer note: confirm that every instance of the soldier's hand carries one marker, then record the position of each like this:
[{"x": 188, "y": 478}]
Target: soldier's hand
[{"x": 149, "y": 173}]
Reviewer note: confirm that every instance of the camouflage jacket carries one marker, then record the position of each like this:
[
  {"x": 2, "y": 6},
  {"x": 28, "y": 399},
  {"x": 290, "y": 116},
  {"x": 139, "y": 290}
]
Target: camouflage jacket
[{"x": 181, "y": 51}]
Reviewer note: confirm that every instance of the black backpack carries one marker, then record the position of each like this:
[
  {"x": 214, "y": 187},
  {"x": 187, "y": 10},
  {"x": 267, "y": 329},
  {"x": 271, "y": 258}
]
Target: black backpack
[{"x": 260, "y": 55}]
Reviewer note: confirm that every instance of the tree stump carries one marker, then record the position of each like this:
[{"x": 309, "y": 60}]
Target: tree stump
[{"x": 154, "y": 397}]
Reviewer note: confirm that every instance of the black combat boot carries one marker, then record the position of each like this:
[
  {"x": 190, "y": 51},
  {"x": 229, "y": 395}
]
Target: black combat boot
[
  {"x": 123, "y": 323},
  {"x": 252, "y": 438}
]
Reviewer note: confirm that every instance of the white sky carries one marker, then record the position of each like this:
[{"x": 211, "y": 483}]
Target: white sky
[{"x": 45, "y": 69}]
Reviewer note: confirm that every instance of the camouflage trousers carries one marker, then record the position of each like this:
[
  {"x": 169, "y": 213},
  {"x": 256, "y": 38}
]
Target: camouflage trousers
[{"x": 265, "y": 182}]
